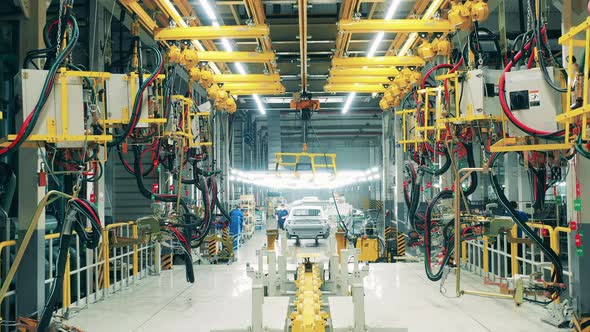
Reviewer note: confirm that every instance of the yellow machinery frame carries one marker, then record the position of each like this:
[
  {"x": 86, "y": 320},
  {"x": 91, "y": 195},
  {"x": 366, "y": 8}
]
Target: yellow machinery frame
[
  {"x": 187, "y": 130},
  {"x": 569, "y": 116},
  {"x": 330, "y": 162},
  {"x": 125, "y": 111},
  {"x": 53, "y": 136}
]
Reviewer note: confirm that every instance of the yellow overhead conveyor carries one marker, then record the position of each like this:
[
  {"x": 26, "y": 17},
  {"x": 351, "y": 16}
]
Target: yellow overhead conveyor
[
  {"x": 397, "y": 26},
  {"x": 379, "y": 61},
  {"x": 212, "y": 32},
  {"x": 364, "y": 72},
  {"x": 247, "y": 78},
  {"x": 360, "y": 88}
]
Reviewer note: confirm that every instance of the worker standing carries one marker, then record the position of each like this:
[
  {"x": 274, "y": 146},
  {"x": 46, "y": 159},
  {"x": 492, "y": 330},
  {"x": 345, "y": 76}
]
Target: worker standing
[
  {"x": 282, "y": 215},
  {"x": 235, "y": 225}
]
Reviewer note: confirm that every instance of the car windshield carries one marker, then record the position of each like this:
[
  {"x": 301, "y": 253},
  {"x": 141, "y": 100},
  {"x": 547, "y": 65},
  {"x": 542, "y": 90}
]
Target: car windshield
[{"x": 306, "y": 213}]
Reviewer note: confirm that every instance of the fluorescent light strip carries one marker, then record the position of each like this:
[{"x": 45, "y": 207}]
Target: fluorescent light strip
[
  {"x": 348, "y": 102},
  {"x": 259, "y": 104},
  {"x": 208, "y": 9}
]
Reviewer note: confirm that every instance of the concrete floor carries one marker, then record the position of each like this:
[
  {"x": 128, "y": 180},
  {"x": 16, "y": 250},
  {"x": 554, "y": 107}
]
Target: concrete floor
[{"x": 397, "y": 295}]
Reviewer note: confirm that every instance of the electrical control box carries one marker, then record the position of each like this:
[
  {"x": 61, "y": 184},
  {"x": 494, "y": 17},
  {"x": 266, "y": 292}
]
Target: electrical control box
[
  {"x": 532, "y": 100},
  {"x": 479, "y": 93},
  {"x": 120, "y": 97},
  {"x": 50, "y": 125}
]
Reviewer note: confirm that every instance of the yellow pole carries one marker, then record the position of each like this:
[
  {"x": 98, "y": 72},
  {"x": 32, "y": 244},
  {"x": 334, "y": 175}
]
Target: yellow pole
[
  {"x": 105, "y": 249},
  {"x": 63, "y": 80},
  {"x": 66, "y": 284},
  {"x": 135, "y": 248},
  {"x": 486, "y": 255},
  {"x": 514, "y": 251}
]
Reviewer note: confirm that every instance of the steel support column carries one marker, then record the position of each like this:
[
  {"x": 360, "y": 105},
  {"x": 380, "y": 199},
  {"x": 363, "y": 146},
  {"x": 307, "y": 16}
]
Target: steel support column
[
  {"x": 398, "y": 175},
  {"x": 30, "y": 276},
  {"x": 387, "y": 170}
]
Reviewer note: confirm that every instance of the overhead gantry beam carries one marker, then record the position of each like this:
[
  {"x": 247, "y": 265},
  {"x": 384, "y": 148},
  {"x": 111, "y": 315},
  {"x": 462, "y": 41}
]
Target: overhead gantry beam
[
  {"x": 378, "y": 61},
  {"x": 248, "y": 78},
  {"x": 404, "y": 26},
  {"x": 358, "y": 72},
  {"x": 252, "y": 86},
  {"x": 359, "y": 88},
  {"x": 212, "y": 32},
  {"x": 248, "y": 57}
]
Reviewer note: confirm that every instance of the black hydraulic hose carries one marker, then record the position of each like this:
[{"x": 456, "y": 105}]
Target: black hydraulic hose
[
  {"x": 471, "y": 162},
  {"x": 340, "y": 220},
  {"x": 522, "y": 224},
  {"x": 51, "y": 304},
  {"x": 146, "y": 192},
  {"x": 444, "y": 194},
  {"x": 137, "y": 102},
  {"x": 491, "y": 37},
  {"x": 443, "y": 169},
  {"x": 539, "y": 41}
]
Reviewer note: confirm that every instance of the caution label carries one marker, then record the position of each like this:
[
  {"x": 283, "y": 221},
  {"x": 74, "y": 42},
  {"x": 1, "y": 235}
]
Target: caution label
[{"x": 534, "y": 98}]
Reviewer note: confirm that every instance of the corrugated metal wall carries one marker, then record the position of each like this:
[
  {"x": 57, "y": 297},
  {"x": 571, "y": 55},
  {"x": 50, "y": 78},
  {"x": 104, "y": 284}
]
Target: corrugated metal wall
[{"x": 128, "y": 203}]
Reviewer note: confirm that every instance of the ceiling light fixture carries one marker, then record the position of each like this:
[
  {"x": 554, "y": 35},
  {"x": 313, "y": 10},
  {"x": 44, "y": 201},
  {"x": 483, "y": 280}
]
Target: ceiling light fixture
[
  {"x": 348, "y": 102},
  {"x": 259, "y": 104},
  {"x": 208, "y": 10}
]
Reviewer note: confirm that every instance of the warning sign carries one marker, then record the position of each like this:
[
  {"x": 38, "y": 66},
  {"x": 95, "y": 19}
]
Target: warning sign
[{"x": 534, "y": 98}]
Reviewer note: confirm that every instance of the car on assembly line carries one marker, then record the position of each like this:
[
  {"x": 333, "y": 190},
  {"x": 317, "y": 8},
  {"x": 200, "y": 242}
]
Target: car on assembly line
[{"x": 307, "y": 222}]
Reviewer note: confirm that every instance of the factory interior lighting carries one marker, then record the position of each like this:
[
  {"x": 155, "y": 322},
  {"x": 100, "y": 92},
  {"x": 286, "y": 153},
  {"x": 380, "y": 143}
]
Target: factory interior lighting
[{"x": 304, "y": 179}]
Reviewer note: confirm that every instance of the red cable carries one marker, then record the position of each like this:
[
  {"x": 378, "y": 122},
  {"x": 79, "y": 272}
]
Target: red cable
[
  {"x": 179, "y": 235},
  {"x": 90, "y": 210}
]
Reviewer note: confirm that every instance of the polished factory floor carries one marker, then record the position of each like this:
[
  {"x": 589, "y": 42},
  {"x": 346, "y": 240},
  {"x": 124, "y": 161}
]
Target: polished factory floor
[{"x": 397, "y": 295}]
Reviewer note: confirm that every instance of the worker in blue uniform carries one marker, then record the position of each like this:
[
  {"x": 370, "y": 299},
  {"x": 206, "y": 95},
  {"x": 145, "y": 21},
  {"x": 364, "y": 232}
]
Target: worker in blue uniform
[
  {"x": 282, "y": 215},
  {"x": 521, "y": 214},
  {"x": 235, "y": 225}
]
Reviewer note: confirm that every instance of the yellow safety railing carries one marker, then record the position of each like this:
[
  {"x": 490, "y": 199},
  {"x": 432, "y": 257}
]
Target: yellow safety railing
[
  {"x": 138, "y": 256},
  {"x": 502, "y": 258}
]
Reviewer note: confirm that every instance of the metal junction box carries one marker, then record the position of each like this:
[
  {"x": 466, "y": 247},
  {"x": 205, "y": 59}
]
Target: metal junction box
[
  {"x": 479, "y": 94},
  {"x": 120, "y": 98},
  {"x": 29, "y": 84},
  {"x": 532, "y": 100}
]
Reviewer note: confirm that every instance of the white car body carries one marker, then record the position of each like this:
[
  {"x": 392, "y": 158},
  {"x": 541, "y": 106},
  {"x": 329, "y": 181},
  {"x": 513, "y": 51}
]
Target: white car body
[{"x": 307, "y": 222}]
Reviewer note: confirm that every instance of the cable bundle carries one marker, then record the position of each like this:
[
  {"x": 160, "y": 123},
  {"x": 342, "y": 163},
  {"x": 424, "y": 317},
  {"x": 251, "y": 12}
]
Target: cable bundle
[
  {"x": 31, "y": 120},
  {"x": 186, "y": 251}
]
